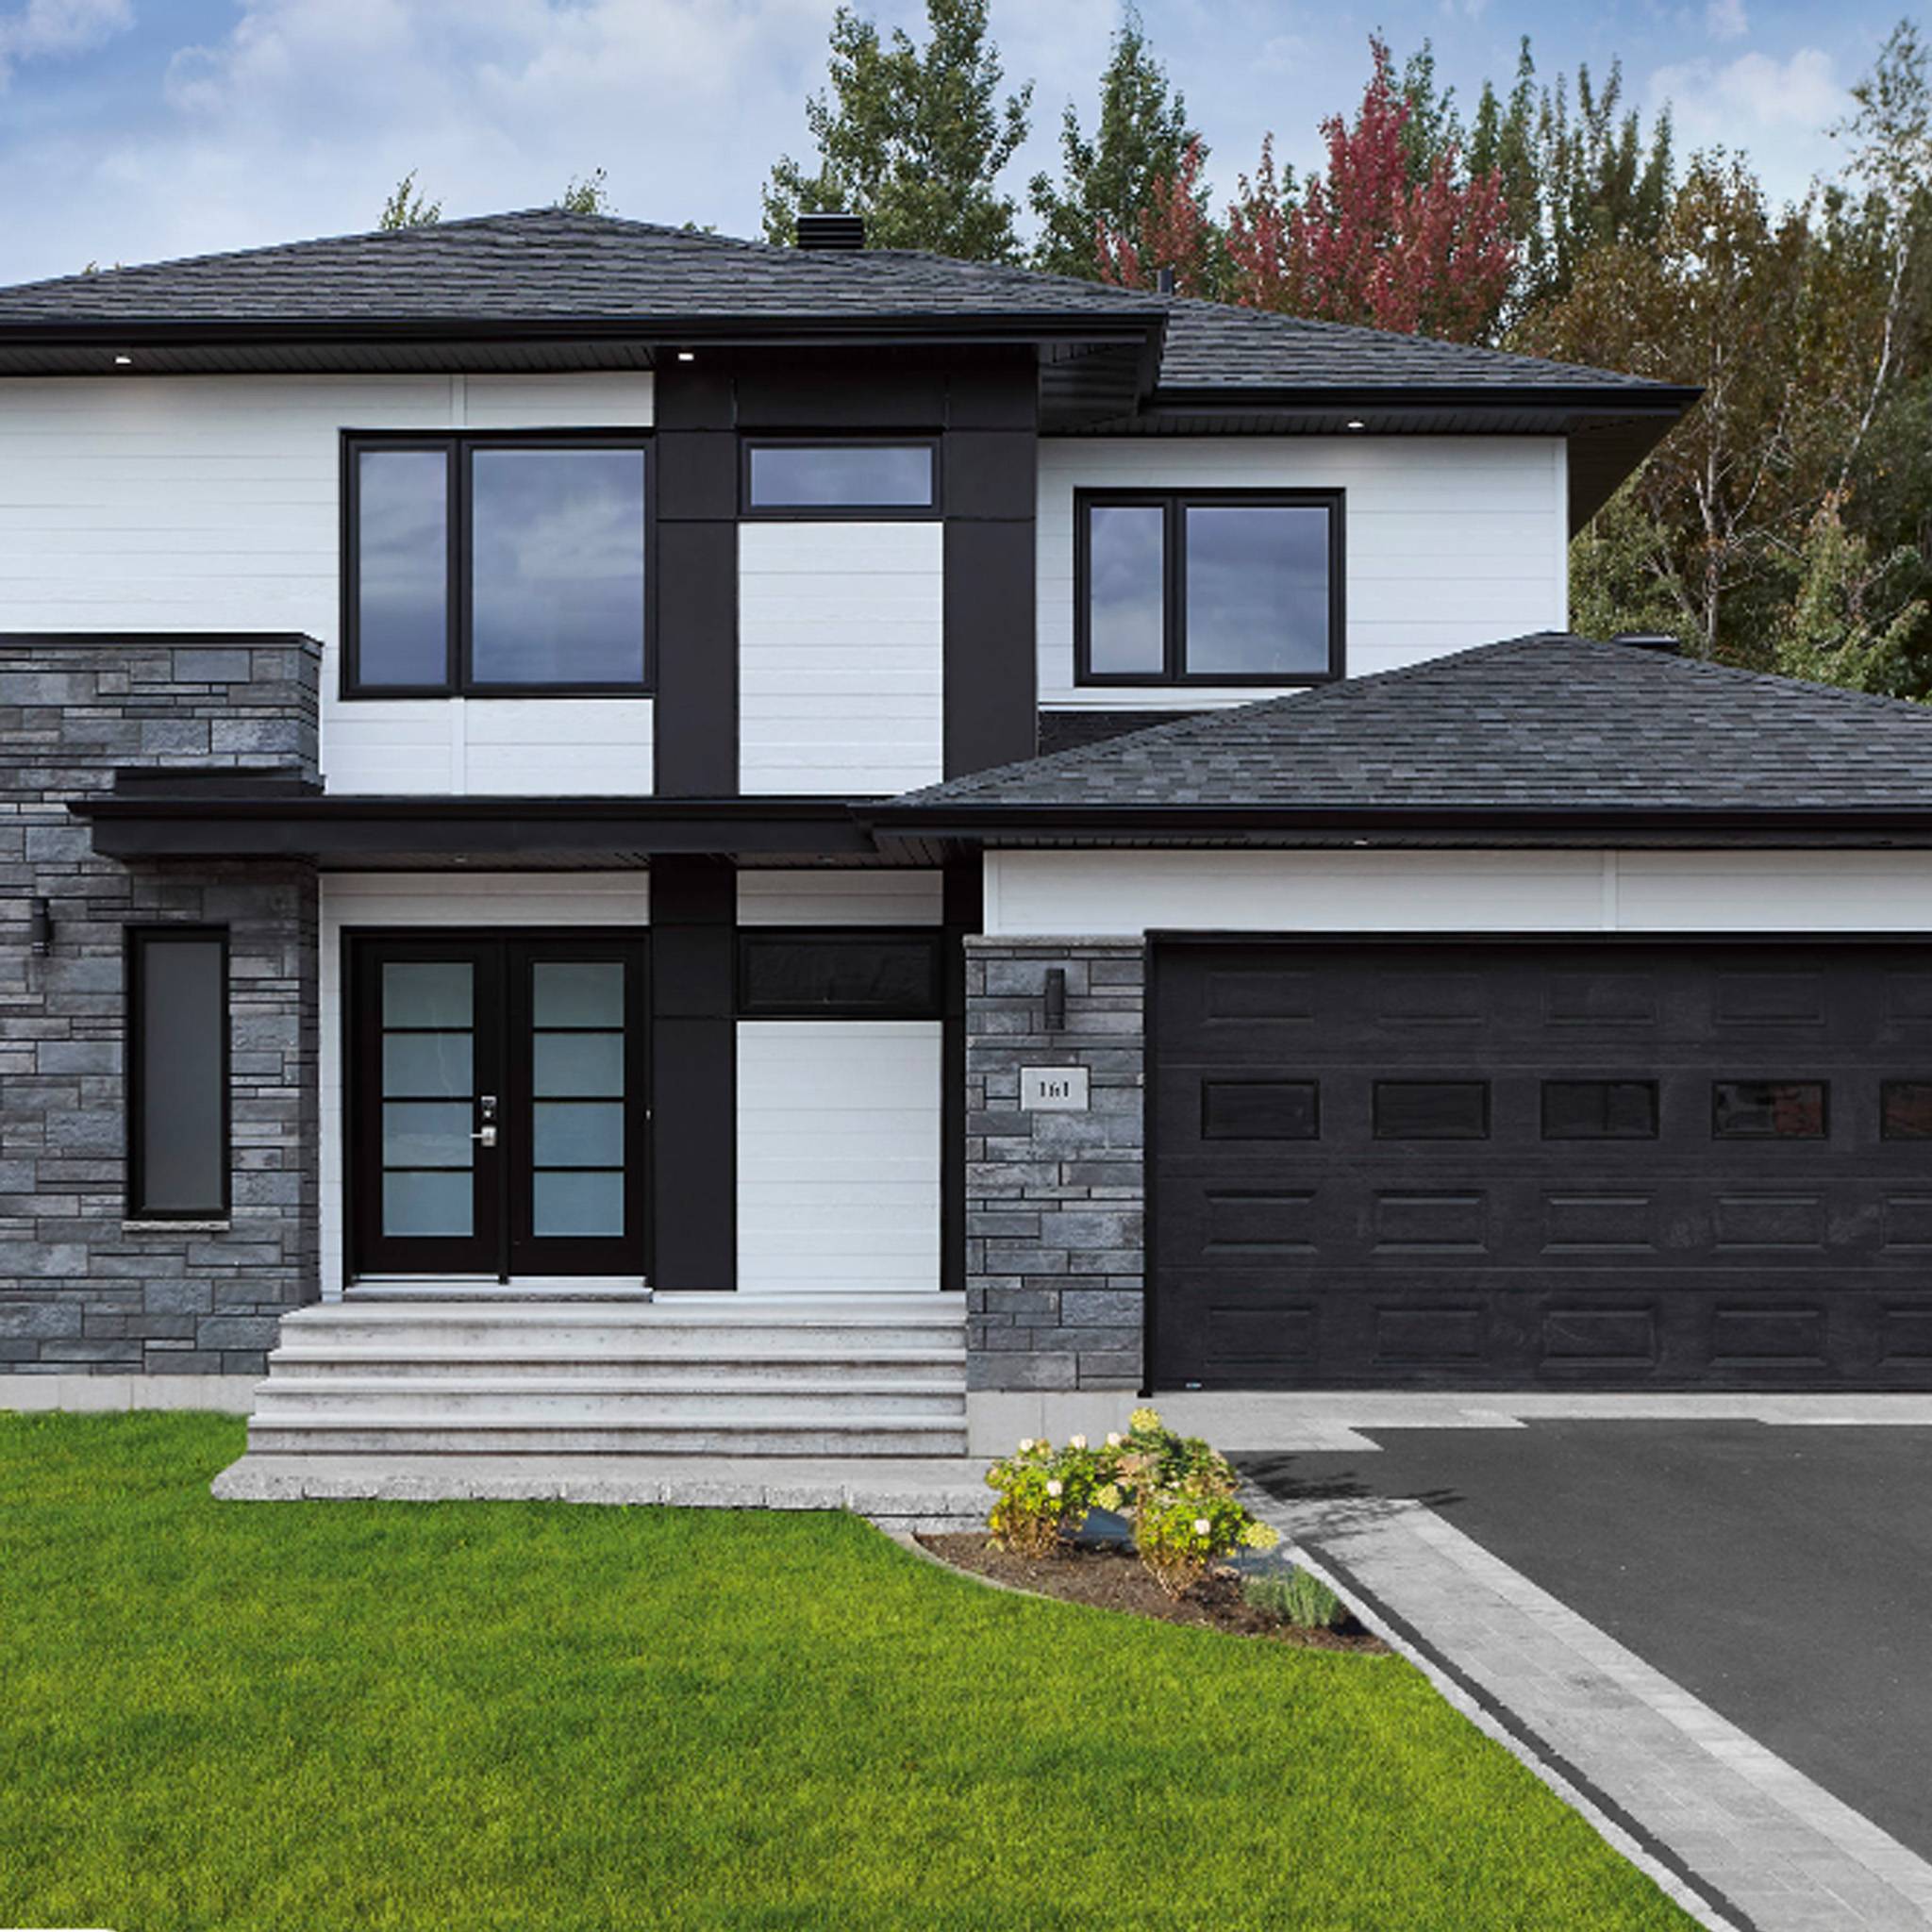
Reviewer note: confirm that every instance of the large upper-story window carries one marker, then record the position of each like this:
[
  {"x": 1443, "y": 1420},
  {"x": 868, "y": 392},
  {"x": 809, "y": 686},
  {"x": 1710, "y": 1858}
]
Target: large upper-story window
[
  {"x": 1208, "y": 587},
  {"x": 492, "y": 565}
]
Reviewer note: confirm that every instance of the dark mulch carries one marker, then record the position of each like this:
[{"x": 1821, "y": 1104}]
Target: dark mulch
[{"x": 1113, "y": 1579}]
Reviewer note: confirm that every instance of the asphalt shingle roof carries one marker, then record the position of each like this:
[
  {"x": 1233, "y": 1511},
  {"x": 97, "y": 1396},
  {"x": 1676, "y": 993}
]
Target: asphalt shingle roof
[
  {"x": 1548, "y": 722},
  {"x": 543, "y": 264}
]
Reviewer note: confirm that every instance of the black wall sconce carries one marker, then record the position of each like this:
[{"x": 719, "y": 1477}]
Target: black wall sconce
[
  {"x": 40, "y": 928},
  {"x": 1056, "y": 999}
]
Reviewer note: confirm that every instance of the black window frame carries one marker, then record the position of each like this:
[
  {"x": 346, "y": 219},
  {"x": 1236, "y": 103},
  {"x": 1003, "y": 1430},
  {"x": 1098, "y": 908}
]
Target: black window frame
[
  {"x": 1885, "y": 1088},
  {"x": 1718, "y": 1133},
  {"x": 1376, "y": 1132},
  {"x": 1174, "y": 505},
  {"x": 136, "y": 941},
  {"x": 1654, "y": 1089},
  {"x": 928, "y": 937},
  {"x": 840, "y": 512},
  {"x": 459, "y": 446}
]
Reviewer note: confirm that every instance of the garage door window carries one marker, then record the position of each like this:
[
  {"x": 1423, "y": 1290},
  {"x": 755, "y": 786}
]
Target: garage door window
[
  {"x": 1905, "y": 1110},
  {"x": 1432, "y": 1110},
  {"x": 1260, "y": 1110},
  {"x": 1599, "y": 1109},
  {"x": 1768, "y": 1109}
]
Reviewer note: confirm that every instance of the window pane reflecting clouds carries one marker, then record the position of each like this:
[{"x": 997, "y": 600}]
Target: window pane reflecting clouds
[
  {"x": 557, "y": 566},
  {"x": 875, "y": 476},
  {"x": 1124, "y": 575},
  {"x": 402, "y": 581},
  {"x": 1258, "y": 589}
]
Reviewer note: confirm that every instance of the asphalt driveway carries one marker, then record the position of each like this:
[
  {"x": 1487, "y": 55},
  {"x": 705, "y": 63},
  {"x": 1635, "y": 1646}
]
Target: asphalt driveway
[{"x": 1782, "y": 1575}]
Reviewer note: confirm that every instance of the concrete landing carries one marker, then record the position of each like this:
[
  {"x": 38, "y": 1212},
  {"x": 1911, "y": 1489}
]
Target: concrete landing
[{"x": 896, "y": 1492}]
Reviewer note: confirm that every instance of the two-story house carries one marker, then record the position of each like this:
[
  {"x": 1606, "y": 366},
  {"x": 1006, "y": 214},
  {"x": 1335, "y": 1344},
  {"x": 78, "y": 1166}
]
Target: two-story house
[{"x": 621, "y": 839}]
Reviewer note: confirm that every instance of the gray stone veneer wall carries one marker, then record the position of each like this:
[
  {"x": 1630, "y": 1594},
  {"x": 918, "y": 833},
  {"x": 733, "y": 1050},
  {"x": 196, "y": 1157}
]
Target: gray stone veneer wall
[
  {"x": 1055, "y": 1282},
  {"x": 82, "y": 1289}
]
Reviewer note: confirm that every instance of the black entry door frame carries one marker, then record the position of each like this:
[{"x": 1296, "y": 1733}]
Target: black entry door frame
[{"x": 505, "y": 1242}]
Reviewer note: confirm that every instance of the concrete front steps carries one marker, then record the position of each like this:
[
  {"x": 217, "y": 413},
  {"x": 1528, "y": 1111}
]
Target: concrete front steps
[{"x": 714, "y": 1375}]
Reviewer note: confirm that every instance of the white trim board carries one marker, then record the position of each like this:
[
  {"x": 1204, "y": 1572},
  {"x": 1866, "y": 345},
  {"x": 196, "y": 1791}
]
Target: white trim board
[
  {"x": 401, "y": 899},
  {"x": 1105, "y": 894}
]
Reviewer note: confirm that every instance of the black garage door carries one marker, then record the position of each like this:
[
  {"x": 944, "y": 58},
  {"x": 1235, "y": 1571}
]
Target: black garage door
[{"x": 1496, "y": 1165}]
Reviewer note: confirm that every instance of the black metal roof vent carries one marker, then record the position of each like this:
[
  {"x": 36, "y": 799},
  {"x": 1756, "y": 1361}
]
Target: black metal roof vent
[
  {"x": 831, "y": 231},
  {"x": 1649, "y": 641}
]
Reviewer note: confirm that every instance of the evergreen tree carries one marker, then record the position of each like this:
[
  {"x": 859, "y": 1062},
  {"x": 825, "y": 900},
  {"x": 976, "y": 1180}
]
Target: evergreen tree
[
  {"x": 1138, "y": 152},
  {"x": 914, "y": 139}
]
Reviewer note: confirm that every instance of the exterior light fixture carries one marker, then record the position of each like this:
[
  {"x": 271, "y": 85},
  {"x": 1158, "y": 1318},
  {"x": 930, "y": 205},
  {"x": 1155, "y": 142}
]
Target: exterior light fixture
[
  {"x": 1357, "y": 423},
  {"x": 685, "y": 356},
  {"x": 40, "y": 928},
  {"x": 1056, "y": 999},
  {"x": 123, "y": 361}
]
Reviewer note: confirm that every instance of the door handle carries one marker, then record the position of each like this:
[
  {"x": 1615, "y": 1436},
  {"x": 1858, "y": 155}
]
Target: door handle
[{"x": 486, "y": 1135}]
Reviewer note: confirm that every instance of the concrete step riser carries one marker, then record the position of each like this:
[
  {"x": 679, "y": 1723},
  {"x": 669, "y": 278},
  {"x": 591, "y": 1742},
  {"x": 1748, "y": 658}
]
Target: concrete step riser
[
  {"x": 468, "y": 1333},
  {"x": 282, "y": 1405},
  {"x": 652, "y": 1372},
  {"x": 273, "y": 1438}
]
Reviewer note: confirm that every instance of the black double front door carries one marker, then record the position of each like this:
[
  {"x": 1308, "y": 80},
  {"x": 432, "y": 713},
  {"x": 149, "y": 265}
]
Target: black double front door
[{"x": 497, "y": 1115}]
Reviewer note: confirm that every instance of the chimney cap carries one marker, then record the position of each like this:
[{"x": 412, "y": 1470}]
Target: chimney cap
[
  {"x": 1649, "y": 641},
  {"x": 831, "y": 230}
]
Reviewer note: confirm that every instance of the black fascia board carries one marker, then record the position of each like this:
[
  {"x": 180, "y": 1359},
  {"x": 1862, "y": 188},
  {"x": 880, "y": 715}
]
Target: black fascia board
[
  {"x": 990, "y": 823},
  {"x": 249, "y": 824},
  {"x": 1557, "y": 398}
]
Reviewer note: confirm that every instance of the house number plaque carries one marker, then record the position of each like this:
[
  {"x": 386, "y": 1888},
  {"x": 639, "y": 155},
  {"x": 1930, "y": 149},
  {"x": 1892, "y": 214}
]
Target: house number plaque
[{"x": 1053, "y": 1090}]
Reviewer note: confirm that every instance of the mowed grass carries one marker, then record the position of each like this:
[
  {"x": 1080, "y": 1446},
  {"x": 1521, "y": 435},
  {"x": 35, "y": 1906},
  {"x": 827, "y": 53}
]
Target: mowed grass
[{"x": 533, "y": 1716}]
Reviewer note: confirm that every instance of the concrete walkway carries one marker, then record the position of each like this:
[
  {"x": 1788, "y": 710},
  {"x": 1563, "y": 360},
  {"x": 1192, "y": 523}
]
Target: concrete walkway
[
  {"x": 896, "y": 1492},
  {"x": 1739, "y": 1835}
]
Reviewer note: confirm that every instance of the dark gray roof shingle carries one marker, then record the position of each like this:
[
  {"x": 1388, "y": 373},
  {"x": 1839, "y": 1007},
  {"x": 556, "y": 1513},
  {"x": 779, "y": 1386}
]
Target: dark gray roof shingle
[
  {"x": 1550, "y": 723},
  {"x": 543, "y": 265}
]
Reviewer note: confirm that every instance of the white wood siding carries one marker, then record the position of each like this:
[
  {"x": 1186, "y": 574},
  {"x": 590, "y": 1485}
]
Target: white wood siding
[
  {"x": 1101, "y": 894},
  {"x": 1450, "y": 541},
  {"x": 837, "y": 1155},
  {"x": 841, "y": 672},
  {"x": 399, "y": 899},
  {"x": 841, "y": 898},
  {"x": 212, "y": 502}
]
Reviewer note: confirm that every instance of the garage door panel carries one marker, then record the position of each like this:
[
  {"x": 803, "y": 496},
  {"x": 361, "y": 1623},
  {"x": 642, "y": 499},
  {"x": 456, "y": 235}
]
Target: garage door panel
[{"x": 1643, "y": 1165}]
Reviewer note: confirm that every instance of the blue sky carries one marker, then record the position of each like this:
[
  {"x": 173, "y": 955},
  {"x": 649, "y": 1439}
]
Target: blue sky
[{"x": 136, "y": 129}]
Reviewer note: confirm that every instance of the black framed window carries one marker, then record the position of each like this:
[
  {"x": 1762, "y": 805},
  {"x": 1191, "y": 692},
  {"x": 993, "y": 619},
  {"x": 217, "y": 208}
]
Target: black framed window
[
  {"x": 1770, "y": 1110},
  {"x": 1208, "y": 587},
  {"x": 799, "y": 477},
  {"x": 790, "y": 974},
  {"x": 507, "y": 565},
  {"x": 1260, "y": 1110},
  {"x": 1431, "y": 1109},
  {"x": 1905, "y": 1110},
  {"x": 177, "y": 1072}
]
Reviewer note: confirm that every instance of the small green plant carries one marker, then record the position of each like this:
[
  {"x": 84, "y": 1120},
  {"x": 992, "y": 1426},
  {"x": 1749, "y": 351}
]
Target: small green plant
[{"x": 1295, "y": 1597}]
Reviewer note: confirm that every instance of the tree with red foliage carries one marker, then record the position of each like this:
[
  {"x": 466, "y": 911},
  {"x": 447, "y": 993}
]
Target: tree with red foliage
[{"x": 1369, "y": 242}]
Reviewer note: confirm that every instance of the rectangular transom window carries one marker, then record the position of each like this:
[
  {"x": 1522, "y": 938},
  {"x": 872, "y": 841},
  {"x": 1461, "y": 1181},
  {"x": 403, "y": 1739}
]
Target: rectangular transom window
[
  {"x": 1208, "y": 587},
  {"x": 177, "y": 1072},
  {"x": 1599, "y": 1109},
  {"x": 491, "y": 564},
  {"x": 797, "y": 478},
  {"x": 868, "y": 974},
  {"x": 1768, "y": 1109},
  {"x": 1432, "y": 1111}
]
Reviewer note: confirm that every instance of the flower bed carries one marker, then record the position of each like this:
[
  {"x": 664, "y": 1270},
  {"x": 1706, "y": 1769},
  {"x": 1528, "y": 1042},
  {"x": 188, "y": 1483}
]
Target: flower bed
[{"x": 1180, "y": 1497}]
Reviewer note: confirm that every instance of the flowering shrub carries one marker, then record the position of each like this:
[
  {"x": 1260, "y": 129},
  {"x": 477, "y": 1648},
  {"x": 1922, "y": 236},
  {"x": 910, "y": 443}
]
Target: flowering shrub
[
  {"x": 1179, "y": 1493},
  {"x": 1044, "y": 1494}
]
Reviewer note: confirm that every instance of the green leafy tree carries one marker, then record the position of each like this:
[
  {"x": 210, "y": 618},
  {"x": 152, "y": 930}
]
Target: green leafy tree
[
  {"x": 587, "y": 196},
  {"x": 408, "y": 209},
  {"x": 1855, "y": 615},
  {"x": 912, "y": 138},
  {"x": 1139, "y": 149}
]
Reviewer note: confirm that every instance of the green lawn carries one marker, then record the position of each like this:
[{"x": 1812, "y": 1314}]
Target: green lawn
[{"x": 536, "y": 1716}]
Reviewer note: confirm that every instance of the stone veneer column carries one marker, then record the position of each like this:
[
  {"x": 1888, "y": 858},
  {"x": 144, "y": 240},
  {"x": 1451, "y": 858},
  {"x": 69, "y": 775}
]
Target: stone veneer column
[
  {"x": 1055, "y": 1292},
  {"x": 82, "y": 1289}
]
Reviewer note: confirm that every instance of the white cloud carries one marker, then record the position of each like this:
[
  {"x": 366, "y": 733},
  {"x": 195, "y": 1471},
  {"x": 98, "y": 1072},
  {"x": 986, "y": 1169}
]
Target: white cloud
[
  {"x": 1776, "y": 111},
  {"x": 49, "y": 28},
  {"x": 1726, "y": 19}
]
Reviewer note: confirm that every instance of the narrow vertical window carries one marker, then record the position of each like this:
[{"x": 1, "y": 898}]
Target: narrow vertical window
[
  {"x": 402, "y": 533},
  {"x": 177, "y": 1073}
]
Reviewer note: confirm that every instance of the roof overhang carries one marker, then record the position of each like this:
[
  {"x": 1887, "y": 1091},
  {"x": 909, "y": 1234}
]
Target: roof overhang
[
  {"x": 203, "y": 820},
  {"x": 1609, "y": 427},
  {"x": 1010, "y": 826}
]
